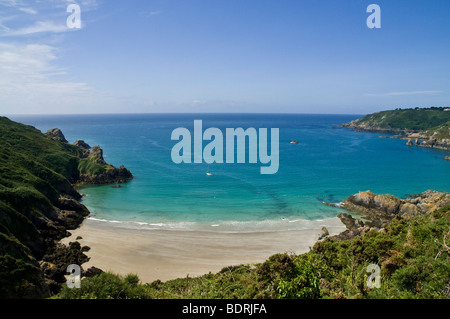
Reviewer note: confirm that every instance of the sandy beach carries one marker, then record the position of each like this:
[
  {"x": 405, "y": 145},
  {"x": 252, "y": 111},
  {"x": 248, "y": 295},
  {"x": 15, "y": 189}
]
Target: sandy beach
[{"x": 167, "y": 254}]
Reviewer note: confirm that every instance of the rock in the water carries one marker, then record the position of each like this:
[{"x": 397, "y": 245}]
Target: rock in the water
[{"x": 56, "y": 134}]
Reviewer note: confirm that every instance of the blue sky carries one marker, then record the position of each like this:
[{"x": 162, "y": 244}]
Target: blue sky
[{"x": 294, "y": 56}]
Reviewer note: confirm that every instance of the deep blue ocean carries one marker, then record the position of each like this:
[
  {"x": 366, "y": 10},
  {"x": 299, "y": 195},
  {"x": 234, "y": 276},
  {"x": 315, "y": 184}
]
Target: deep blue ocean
[{"x": 329, "y": 164}]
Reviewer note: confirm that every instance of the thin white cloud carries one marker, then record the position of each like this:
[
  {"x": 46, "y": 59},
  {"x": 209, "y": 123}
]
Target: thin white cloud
[
  {"x": 38, "y": 27},
  {"x": 10, "y": 3},
  {"x": 31, "y": 81},
  {"x": 28, "y": 10},
  {"x": 148, "y": 14},
  {"x": 28, "y": 77},
  {"x": 18, "y": 5},
  {"x": 154, "y": 13},
  {"x": 86, "y": 5},
  {"x": 404, "y": 93},
  {"x": 49, "y": 16}
]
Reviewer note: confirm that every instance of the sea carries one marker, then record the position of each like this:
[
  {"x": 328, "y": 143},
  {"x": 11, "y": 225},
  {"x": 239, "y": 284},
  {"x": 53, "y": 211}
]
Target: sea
[{"x": 328, "y": 164}]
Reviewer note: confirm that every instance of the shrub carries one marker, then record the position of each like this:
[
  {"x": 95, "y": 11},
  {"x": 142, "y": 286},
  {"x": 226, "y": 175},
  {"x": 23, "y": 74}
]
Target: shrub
[{"x": 107, "y": 286}]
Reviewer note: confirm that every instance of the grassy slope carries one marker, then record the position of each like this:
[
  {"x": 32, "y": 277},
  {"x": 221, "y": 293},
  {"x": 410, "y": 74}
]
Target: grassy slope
[
  {"x": 34, "y": 171},
  {"x": 429, "y": 119},
  {"x": 413, "y": 256}
]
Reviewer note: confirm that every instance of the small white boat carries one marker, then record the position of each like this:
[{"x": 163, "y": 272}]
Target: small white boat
[{"x": 209, "y": 174}]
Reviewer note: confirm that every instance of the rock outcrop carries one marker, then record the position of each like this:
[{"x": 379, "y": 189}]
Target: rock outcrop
[
  {"x": 386, "y": 207},
  {"x": 56, "y": 134},
  {"x": 40, "y": 209},
  {"x": 84, "y": 148},
  {"x": 376, "y": 211},
  {"x": 325, "y": 233},
  {"x": 110, "y": 174},
  {"x": 82, "y": 144},
  {"x": 55, "y": 263},
  {"x": 378, "y": 208},
  {"x": 354, "y": 227},
  {"x": 97, "y": 155},
  {"x": 113, "y": 175},
  {"x": 423, "y": 138}
]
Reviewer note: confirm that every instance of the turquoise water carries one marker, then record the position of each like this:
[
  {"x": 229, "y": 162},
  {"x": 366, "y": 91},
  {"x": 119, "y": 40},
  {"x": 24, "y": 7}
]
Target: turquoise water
[{"x": 329, "y": 164}]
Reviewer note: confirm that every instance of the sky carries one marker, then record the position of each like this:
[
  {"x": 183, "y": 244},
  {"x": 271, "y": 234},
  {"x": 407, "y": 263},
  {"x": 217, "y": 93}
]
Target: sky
[{"x": 209, "y": 56}]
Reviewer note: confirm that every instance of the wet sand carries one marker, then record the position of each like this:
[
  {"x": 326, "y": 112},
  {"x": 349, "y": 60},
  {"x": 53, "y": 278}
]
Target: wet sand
[{"x": 167, "y": 254}]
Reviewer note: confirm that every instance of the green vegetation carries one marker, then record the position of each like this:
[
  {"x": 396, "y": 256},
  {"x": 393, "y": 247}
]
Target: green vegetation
[
  {"x": 110, "y": 286},
  {"x": 35, "y": 171},
  {"x": 434, "y": 119},
  {"x": 91, "y": 166},
  {"x": 413, "y": 255}
]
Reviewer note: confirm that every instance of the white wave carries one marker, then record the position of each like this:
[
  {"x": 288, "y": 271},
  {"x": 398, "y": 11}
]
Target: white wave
[{"x": 233, "y": 226}]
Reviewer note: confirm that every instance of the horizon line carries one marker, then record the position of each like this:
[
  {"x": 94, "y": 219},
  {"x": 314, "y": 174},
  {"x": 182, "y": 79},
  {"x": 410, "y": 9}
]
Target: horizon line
[{"x": 179, "y": 113}]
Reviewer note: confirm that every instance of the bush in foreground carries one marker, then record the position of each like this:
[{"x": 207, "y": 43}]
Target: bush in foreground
[{"x": 413, "y": 255}]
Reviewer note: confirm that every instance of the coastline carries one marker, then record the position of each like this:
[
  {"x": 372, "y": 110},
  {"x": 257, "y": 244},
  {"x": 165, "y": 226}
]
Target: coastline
[{"x": 170, "y": 254}]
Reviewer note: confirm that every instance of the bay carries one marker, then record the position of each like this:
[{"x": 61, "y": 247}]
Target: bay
[{"x": 327, "y": 165}]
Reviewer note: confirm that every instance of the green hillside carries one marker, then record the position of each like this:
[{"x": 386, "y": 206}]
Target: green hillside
[
  {"x": 38, "y": 204},
  {"x": 418, "y": 119}
]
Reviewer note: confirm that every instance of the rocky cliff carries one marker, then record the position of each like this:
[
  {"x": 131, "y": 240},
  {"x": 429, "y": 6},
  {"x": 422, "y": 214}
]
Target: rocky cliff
[
  {"x": 39, "y": 205},
  {"x": 420, "y": 127},
  {"x": 375, "y": 212}
]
